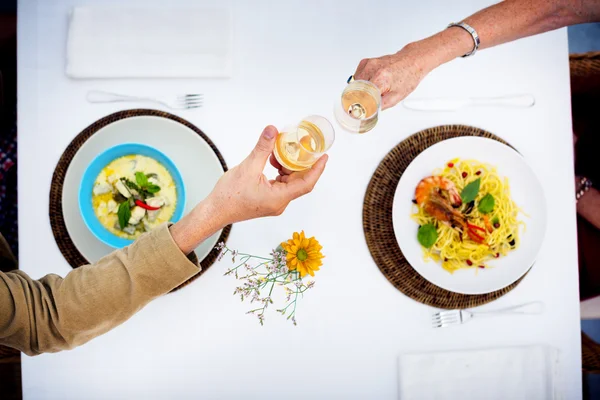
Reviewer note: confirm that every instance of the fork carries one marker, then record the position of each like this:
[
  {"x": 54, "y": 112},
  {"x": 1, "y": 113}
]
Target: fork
[
  {"x": 443, "y": 319},
  {"x": 180, "y": 102}
]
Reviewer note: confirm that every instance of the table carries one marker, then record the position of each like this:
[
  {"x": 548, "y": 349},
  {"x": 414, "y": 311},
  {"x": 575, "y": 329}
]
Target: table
[{"x": 292, "y": 59}]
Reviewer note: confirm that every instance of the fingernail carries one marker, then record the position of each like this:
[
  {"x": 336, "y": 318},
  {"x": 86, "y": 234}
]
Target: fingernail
[{"x": 269, "y": 133}]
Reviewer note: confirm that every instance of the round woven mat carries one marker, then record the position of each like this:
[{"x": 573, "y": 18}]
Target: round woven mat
[
  {"x": 57, "y": 222},
  {"x": 379, "y": 229}
]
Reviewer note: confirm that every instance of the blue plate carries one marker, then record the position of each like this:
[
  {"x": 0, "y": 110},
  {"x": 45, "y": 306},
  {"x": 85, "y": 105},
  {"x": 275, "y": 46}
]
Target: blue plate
[{"x": 94, "y": 169}]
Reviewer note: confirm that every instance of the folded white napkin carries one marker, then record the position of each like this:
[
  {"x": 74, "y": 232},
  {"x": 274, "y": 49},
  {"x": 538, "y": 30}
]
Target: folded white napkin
[
  {"x": 113, "y": 42},
  {"x": 514, "y": 373}
]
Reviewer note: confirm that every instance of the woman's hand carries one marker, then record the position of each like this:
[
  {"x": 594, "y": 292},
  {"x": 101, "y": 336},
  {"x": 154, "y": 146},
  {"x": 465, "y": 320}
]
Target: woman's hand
[
  {"x": 396, "y": 75},
  {"x": 244, "y": 192}
]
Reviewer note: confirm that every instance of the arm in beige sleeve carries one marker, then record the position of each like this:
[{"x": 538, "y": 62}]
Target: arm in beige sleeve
[{"x": 53, "y": 314}]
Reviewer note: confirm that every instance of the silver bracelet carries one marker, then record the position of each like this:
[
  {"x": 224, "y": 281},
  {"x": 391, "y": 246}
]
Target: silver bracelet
[
  {"x": 582, "y": 188},
  {"x": 473, "y": 34}
]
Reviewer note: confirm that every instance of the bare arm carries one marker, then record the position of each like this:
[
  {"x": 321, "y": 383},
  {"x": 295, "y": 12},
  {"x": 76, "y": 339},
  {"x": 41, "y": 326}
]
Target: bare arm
[
  {"x": 399, "y": 74},
  {"x": 589, "y": 206},
  {"x": 514, "y": 19}
]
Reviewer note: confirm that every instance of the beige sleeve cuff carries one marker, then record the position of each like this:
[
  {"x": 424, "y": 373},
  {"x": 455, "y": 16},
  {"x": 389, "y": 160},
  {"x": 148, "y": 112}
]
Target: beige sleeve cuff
[{"x": 159, "y": 258}]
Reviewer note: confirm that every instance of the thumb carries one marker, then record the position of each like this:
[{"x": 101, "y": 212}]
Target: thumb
[{"x": 263, "y": 149}]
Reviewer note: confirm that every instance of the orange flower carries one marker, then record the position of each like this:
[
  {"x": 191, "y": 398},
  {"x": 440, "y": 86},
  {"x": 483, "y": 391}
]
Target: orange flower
[{"x": 303, "y": 254}]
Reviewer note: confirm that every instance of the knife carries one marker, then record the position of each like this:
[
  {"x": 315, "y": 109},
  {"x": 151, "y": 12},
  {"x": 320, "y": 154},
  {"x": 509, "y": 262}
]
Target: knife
[{"x": 455, "y": 103}]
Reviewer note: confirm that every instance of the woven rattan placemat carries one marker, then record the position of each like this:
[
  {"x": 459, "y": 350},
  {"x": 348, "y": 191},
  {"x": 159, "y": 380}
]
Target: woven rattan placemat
[
  {"x": 57, "y": 222},
  {"x": 379, "y": 229}
]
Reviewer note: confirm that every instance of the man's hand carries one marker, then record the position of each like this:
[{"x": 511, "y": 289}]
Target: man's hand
[{"x": 244, "y": 192}]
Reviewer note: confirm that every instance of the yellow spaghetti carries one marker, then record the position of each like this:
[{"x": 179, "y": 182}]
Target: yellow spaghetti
[{"x": 455, "y": 249}]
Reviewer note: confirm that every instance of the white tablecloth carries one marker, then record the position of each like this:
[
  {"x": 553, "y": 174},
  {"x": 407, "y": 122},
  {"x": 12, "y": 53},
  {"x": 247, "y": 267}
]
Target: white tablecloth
[{"x": 292, "y": 59}]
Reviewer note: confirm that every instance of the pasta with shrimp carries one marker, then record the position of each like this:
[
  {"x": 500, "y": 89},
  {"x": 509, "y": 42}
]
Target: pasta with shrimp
[{"x": 466, "y": 215}]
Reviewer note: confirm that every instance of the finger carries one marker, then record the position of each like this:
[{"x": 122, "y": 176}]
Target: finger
[
  {"x": 390, "y": 100},
  {"x": 264, "y": 148},
  {"x": 274, "y": 162},
  {"x": 308, "y": 179},
  {"x": 285, "y": 171},
  {"x": 383, "y": 80},
  {"x": 382, "y": 84},
  {"x": 358, "y": 74},
  {"x": 281, "y": 170},
  {"x": 282, "y": 178}
]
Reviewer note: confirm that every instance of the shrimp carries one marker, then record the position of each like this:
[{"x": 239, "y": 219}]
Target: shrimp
[
  {"x": 440, "y": 185},
  {"x": 438, "y": 197}
]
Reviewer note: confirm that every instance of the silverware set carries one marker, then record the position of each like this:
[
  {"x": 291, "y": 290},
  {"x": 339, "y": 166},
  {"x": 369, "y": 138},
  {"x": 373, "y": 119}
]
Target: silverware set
[
  {"x": 189, "y": 101},
  {"x": 444, "y": 319},
  {"x": 178, "y": 102}
]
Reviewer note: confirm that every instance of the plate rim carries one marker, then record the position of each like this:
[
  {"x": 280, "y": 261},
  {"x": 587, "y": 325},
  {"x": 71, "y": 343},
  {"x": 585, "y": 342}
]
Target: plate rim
[
  {"x": 123, "y": 120},
  {"x": 507, "y": 146},
  {"x": 91, "y": 173},
  {"x": 61, "y": 234}
]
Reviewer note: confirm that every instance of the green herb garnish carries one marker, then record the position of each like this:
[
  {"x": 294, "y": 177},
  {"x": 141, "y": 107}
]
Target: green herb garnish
[
  {"x": 486, "y": 205},
  {"x": 470, "y": 191},
  {"x": 124, "y": 214},
  {"x": 495, "y": 220},
  {"x": 141, "y": 179},
  {"x": 153, "y": 189},
  {"x": 427, "y": 235},
  {"x": 145, "y": 186},
  {"x": 130, "y": 184}
]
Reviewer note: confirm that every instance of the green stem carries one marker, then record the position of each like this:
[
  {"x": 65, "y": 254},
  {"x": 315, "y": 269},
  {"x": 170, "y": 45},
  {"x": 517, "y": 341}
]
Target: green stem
[
  {"x": 289, "y": 304},
  {"x": 295, "y": 303},
  {"x": 240, "y": 264},
  {"x": 251, "y": 256},
  {"x": 272, "y": 280}
]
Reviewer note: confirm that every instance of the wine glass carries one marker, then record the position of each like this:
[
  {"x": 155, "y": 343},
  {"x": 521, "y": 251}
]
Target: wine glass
[
  {"x": 299, "y": 146},
  {"x": 358, "y": 108}
]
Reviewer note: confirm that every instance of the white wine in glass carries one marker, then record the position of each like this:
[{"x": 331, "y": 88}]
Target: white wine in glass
[
  {"x": 300, "y": 146},
  {"x": 358, "y": 110}
]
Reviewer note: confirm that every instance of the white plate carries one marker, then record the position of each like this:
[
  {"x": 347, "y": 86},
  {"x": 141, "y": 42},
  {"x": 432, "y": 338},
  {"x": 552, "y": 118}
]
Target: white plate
[
  {"x": 526, "y": 191},
  {"x": 199, "y": 166}
]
